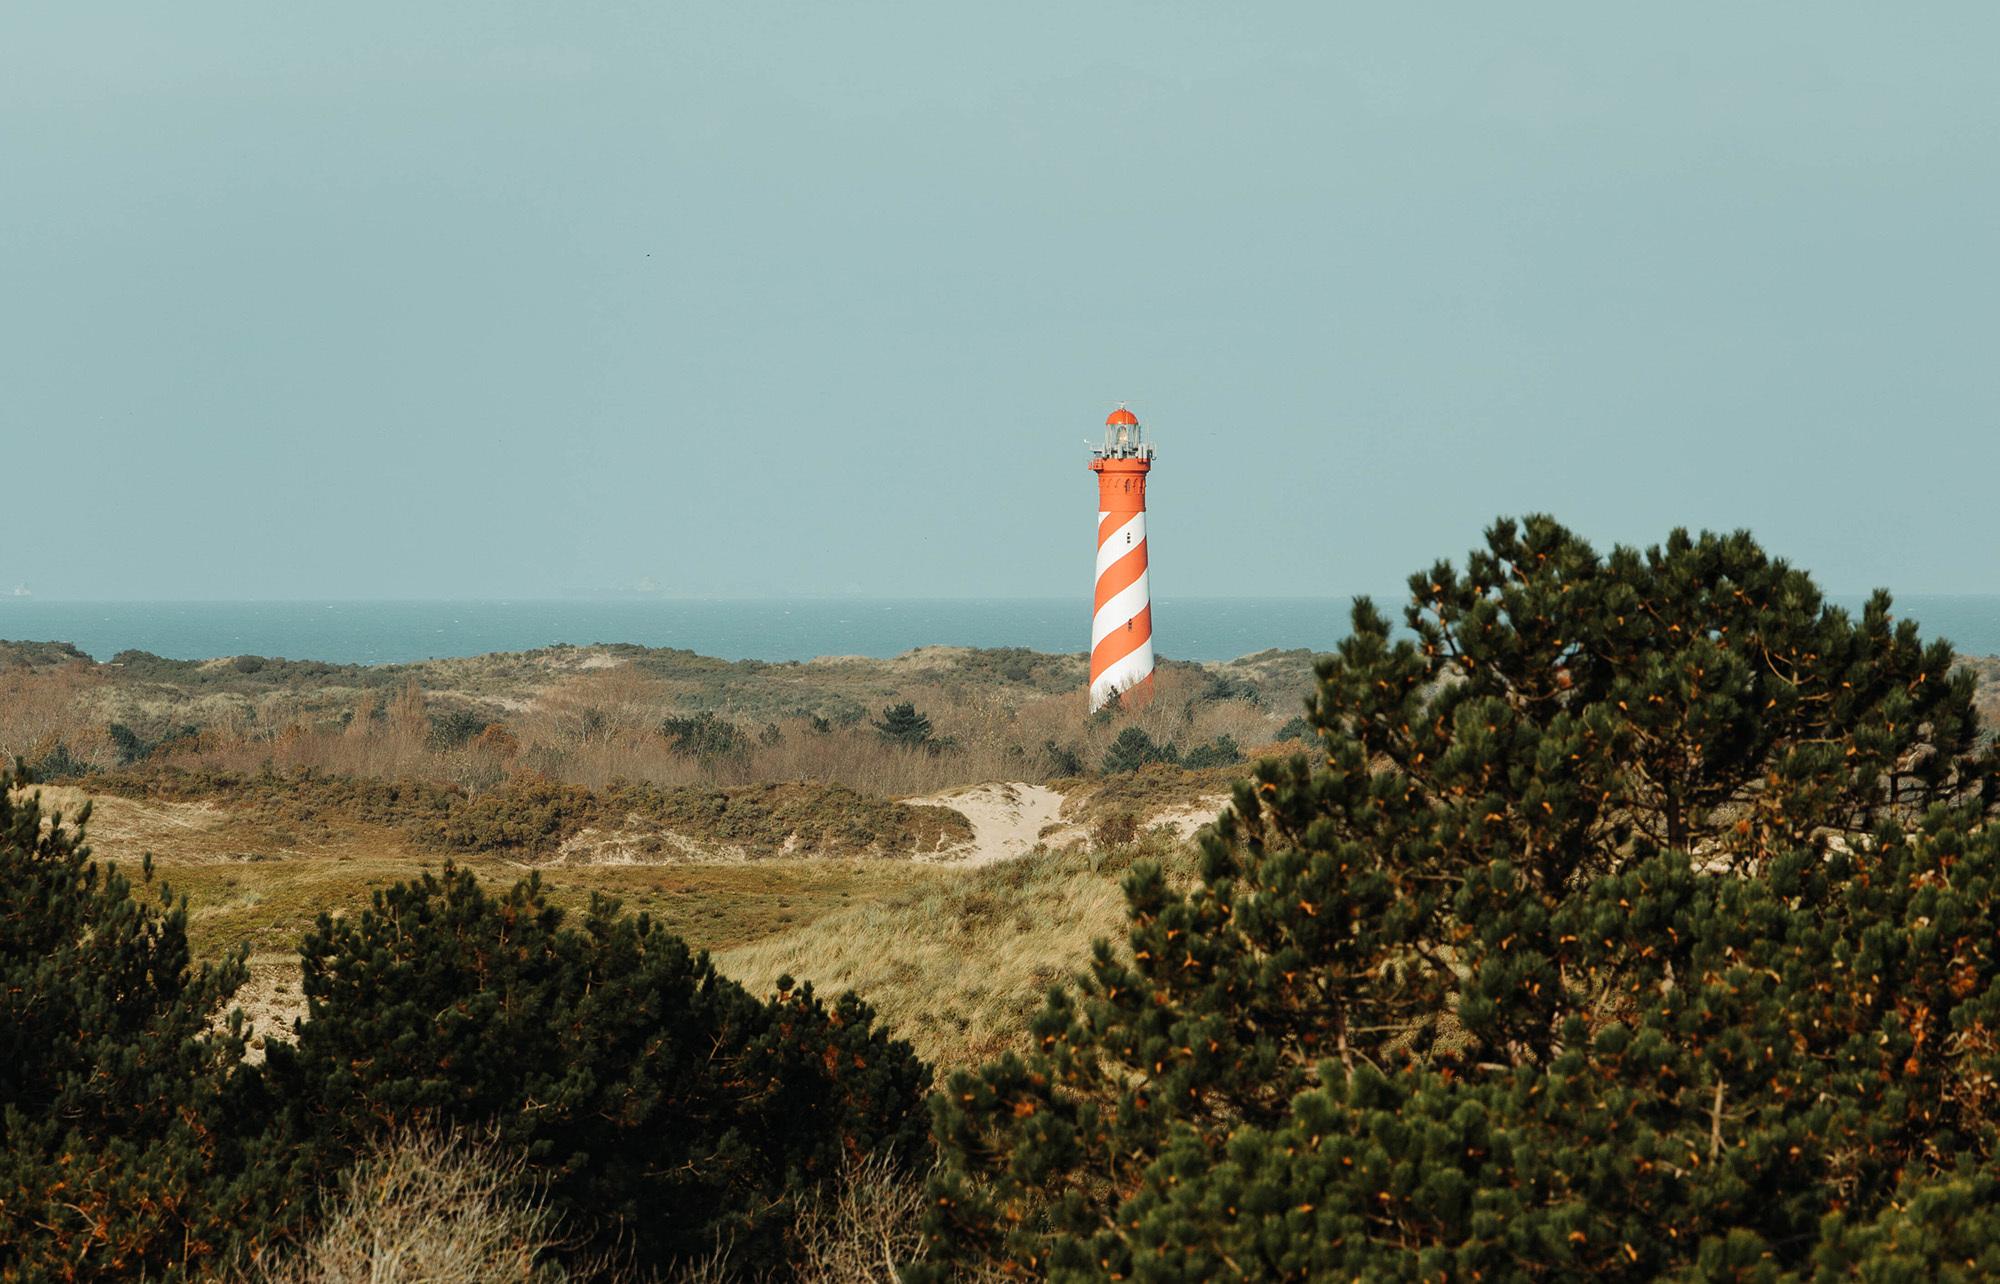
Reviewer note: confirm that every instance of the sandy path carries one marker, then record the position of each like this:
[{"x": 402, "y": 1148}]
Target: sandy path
[{"x": 1007, "y": 819}]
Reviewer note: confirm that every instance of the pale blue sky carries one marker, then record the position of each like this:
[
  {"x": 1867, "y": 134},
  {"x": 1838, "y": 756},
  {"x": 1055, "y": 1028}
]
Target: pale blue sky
[{"x": 484, "y": 299}]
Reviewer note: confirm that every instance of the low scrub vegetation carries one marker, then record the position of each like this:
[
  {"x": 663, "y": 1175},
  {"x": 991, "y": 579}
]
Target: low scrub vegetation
[
  {"x": 1134, "y": 749},
  {"x": 930, "y": 721},
  {"x": 534, "y": 818},
  {"x": 1145, "y": 792},
  {"x": 653, "y": 1095}
]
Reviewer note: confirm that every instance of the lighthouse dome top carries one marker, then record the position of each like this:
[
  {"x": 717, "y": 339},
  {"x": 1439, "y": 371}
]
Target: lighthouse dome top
[{"x": 1122, "y": 439}]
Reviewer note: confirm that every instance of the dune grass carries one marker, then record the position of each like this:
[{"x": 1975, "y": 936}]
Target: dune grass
[
  {"x": 957, "y": 965},
  {"x": 269, "y": 904},
  {"x": 260, "y": 880}
]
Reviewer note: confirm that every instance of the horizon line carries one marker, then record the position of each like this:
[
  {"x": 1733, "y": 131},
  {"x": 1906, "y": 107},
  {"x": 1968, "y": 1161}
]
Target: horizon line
[{"x": 622, "y": 596}]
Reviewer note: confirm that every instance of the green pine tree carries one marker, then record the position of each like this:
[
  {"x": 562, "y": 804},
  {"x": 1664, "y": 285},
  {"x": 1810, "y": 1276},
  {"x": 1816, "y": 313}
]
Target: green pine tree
[
  {"x": 1134, "y": 748},
  {"x": 127, "y": 1123},
  {"x": 1635, "y": 916},
  {"x": 1223, "y": 751},
  {"x": 902, "y": 724}
]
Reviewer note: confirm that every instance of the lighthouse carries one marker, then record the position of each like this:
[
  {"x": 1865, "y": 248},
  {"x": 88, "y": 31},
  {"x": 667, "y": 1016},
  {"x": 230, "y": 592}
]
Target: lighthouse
[{"x": 1121, "y": 624}]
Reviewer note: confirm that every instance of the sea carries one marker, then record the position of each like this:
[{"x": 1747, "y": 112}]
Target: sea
[{"x": 397, "y": 632}]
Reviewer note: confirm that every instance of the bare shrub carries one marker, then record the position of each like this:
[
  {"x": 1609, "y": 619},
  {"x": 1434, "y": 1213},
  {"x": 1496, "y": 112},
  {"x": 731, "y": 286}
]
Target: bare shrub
[
  {"x": 1119, "y": 829},
  {"x": 42, "y": 711},
  {"x": 433, "y": 1209},
  {"x": 866, "y": 1230}
]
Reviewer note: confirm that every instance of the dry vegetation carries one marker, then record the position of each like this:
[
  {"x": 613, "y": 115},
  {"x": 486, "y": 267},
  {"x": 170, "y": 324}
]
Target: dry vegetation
[
  {"x": 534, "y": 818},
  {"x": 433, "y": 1210},
  {"x": 958, "y": 965},
  {"x": 865, "y": 1231},
  {"x": 955, "y": 958},
  {"x": 452, "y": 1208},
  {"x": 596, "y": 716}
]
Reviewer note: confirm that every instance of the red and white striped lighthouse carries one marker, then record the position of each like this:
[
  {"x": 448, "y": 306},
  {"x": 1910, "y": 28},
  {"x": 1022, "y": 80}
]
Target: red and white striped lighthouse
[{"x": 1121, "y": 625}]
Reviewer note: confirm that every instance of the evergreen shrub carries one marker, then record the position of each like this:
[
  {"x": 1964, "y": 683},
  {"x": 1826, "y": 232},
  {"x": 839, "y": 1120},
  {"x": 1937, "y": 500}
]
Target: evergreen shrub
[
  {"x": 128, "y": 1125},
  {"x": 665, "y": 1107},
  {"x": 704, "y": 736},
  {"x": 1223, "y": 751},
  {"x": 1134, "y": 748},
  {"x": 903, "y": 724},
  {"x": 665, "y": 1111}
]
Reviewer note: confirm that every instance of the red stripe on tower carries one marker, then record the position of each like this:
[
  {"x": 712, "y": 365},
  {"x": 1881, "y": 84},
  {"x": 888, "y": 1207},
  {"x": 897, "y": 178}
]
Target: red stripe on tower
[{"x": 1121, "y": 625}]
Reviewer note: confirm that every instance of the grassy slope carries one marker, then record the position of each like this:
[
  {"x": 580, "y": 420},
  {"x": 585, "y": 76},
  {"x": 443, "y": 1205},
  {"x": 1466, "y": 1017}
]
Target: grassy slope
[
  {"x": 250, "y": 884},
  {"x": 270, "y": 904},
  {"x": 958, "y": 965},
  {"x": 955, "y": 958}
]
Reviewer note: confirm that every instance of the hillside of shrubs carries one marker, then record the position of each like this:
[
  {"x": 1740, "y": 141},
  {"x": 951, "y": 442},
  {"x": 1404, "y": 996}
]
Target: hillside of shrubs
[
  {"x": 1632, "y": 916},
  {"x": 930, "y": 720},
  {"x": 531, "y": 817}
]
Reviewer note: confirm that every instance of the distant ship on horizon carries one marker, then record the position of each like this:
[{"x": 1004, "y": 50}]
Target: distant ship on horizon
[{"x": 20, "y": 590}]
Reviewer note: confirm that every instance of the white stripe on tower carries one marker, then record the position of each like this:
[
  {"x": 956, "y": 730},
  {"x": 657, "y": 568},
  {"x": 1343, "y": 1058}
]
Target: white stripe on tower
[{"x": 1119, "y": 542}]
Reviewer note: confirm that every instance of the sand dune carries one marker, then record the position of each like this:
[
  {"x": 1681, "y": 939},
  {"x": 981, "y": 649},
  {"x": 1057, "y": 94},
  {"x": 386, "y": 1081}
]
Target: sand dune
[{"x": 1008, "y": 819}]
